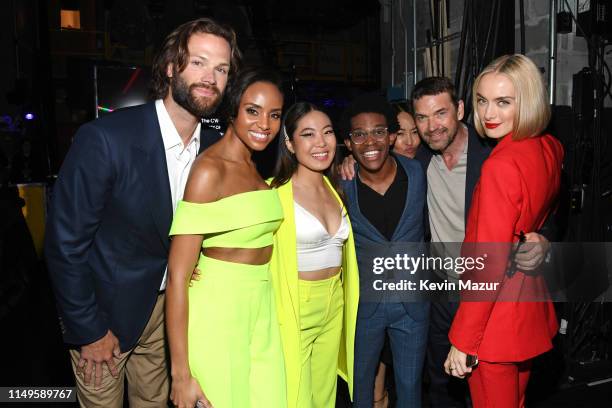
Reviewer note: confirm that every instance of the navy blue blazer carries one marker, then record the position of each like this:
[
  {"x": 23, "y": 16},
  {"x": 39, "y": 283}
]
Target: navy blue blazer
[
  {"x": 478, "y": 151},
  {"x": 409, "y": 229},
  {"x": 107, "y": 230}
]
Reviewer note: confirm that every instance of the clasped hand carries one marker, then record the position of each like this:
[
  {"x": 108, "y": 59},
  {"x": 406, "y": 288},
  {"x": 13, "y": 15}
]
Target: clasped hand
[{"x": 532, "y": 252}]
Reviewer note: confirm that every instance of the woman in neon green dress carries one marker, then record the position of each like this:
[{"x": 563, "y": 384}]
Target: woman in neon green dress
[
  {"x": 222, "y": 329},
  {"x": 314, "y": 267}
]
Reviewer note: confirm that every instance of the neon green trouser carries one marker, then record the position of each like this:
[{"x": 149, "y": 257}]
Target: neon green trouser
[
  {"x": 233, "y": 336},
  {"x": 321, "y": 314}
]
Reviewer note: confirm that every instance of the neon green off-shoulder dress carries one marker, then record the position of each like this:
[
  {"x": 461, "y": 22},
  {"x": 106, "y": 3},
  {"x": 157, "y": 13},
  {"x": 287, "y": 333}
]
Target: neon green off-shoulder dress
[{"x": 234, "y": 344}]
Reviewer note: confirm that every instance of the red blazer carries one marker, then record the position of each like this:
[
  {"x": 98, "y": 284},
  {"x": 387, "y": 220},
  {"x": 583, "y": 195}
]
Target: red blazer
[{"x": 517, "y": 190}]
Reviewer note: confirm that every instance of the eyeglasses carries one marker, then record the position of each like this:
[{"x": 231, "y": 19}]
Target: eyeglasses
[{"x": 360, "y": 136}]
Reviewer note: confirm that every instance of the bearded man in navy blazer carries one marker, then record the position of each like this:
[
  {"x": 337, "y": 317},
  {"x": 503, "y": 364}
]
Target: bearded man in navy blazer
[{"x": 107, "y": 233}]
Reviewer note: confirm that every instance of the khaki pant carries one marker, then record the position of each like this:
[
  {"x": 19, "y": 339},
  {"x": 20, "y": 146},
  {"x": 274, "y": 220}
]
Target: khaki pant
[{"x": 144, "y": 366}]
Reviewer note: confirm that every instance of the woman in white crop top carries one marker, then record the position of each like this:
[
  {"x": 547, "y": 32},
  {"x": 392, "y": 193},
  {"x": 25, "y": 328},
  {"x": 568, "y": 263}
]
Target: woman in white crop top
[{"x": 314, "y": 269}]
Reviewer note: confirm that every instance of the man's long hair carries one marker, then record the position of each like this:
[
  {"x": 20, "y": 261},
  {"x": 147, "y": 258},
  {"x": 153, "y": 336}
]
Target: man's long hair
[{"x": 175, "y": 51}]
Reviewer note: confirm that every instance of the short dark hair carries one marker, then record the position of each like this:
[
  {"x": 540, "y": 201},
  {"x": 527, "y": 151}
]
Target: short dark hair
[
  {"x": 434, "y": 86},
  {"x": 368, "y": 103},
  {"x": 174, "y": 51},
  {"x": 241, "y": 82}
]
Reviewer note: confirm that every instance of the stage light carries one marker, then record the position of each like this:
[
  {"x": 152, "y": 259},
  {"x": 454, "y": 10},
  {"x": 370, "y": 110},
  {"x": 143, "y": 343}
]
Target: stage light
[
  {"x": 29, "y": 116},
  {"x": 103, "y": 109}
]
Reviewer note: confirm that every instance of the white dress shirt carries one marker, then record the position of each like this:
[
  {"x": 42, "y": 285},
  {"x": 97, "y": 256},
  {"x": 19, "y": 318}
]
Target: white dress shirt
[{"x": 179, "y": 158}]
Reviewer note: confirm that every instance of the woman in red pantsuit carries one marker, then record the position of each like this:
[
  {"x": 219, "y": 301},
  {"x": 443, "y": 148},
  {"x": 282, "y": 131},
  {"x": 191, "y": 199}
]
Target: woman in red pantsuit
[{"x": 517, "y": 190}]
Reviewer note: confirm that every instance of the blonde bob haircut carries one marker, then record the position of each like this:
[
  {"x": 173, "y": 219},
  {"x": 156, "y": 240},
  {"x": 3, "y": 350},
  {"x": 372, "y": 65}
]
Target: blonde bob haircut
[{"x": 532, "y": 109}]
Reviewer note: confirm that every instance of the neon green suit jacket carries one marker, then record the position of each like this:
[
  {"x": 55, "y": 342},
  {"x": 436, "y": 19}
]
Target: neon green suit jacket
[{"x": 285, "y": 281}]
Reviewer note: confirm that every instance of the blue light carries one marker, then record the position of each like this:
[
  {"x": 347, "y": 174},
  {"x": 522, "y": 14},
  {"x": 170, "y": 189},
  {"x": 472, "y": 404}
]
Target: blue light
[
  {"x": 29, "y": 116},
  {"x": 328, "y": 103}
]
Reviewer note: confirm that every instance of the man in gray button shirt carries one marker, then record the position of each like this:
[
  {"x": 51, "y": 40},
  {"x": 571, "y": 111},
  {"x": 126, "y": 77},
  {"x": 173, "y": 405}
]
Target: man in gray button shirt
[{"x": 452, "y": 164}]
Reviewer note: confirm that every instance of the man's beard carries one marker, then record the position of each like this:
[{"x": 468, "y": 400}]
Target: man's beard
[
  {"x": 199, "y": 107},
  {"x": 450, "y": 137}
]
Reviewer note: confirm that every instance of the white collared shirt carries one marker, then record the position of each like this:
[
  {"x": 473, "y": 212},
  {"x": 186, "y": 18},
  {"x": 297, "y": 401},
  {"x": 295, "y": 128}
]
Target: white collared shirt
[{"x": 179, "y": 158}]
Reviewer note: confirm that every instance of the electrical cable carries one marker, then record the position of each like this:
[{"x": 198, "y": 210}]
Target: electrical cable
[
  {"x": 497, "y": 12},
  {"x": 478, "y": 44},
  {"x": 522, "y": 24},
  {"x": 431, "y": 35},
  {"x": 592, "y": 48},
  {"x": 459, "y": 71},
  {"x": 440, "y": 48},
  {"x": 475, "y": 53},
  {"x": 489, "y": 31}
]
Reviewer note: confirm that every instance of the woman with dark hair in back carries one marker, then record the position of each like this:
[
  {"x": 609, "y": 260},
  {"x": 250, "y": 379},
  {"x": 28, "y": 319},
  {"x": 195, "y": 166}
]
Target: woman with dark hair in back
[
  {"x": 407, "y": 140},
  {"x": 222, "y": 328},
  {"x": 314, "y": 267}
]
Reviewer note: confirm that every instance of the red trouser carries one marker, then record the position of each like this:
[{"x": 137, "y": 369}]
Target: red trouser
[{"x": 499, "y": 385}]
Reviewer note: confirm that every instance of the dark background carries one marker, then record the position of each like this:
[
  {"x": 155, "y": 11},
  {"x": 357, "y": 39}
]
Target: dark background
[{"x": 328, "y": 52}]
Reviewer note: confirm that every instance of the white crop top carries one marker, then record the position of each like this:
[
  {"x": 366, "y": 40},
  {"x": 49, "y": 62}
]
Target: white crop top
[{"x": 316, "y": 249}]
